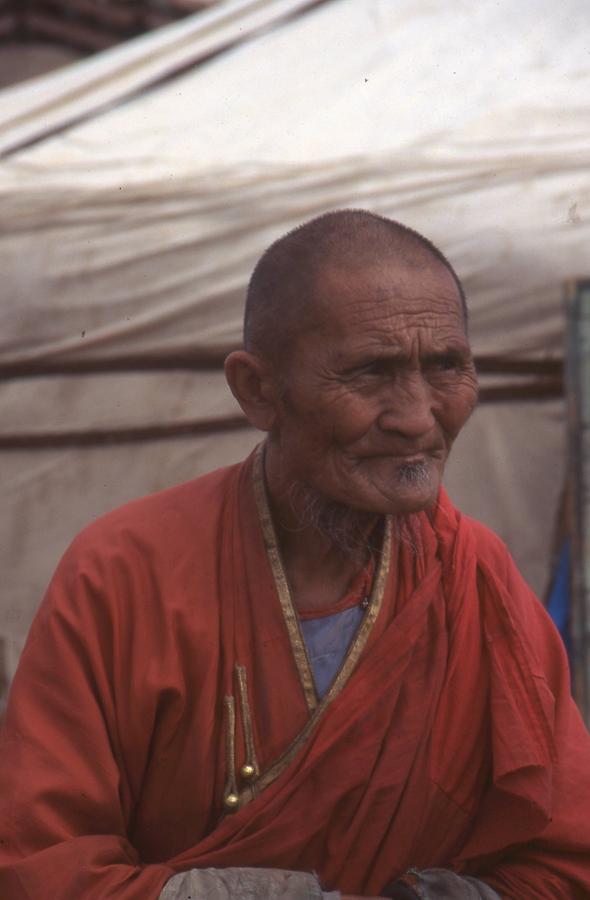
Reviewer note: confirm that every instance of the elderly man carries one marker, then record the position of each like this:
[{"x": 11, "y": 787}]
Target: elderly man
[{"x": 309, "y": 662}]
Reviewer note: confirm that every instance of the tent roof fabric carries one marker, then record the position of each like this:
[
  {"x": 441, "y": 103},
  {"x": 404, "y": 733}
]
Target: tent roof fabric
[
  {"x": 32, "y": 111},
  {"x": 157, "y": 172},
  {"x": 471, "y": 126}
]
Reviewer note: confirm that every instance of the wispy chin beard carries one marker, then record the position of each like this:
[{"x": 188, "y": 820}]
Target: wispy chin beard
[
  {"x": 351, "y": 532},
  {"x": 354, "y": 533}
]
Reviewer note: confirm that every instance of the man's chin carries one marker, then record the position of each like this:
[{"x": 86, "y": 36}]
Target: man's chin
[
  {"x": 398, "y": 491},
  {"x": 405, "y": 500},
  {"x": 410, "y": 488}
]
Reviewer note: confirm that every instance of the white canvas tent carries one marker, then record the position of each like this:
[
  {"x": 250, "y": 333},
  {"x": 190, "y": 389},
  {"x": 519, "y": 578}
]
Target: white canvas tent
[{"x": 139, "y": 187}]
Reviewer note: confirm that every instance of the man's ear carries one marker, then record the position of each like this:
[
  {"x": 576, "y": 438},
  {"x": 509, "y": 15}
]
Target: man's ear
[{"x": 253, "y": 384}]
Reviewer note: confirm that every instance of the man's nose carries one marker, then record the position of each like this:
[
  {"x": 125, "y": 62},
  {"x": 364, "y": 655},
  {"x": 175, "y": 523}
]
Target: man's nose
[{"x": 408, "y": 407}]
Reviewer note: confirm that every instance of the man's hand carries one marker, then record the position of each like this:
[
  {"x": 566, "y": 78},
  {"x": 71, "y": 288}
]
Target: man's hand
[{"x": 439, "y": 884}]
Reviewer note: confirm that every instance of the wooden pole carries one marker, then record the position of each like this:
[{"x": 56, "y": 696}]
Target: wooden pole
[{"x": 578, "y": 423}]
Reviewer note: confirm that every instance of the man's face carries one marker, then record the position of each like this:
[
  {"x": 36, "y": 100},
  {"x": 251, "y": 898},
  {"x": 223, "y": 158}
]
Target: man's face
[{"x": 378, "y": 389}]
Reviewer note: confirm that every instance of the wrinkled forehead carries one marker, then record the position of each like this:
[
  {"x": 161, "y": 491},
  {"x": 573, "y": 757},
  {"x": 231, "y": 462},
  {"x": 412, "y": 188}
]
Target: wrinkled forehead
[{"x": 349, "y": 298}]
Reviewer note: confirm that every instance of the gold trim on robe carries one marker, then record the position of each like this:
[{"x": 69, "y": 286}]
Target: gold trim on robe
[
  {"x": 250, "y": 767},
  {"x": 315, "y": 706},
  {"x": 282, "y": 585},
  {"x": 231, "y": 799}
]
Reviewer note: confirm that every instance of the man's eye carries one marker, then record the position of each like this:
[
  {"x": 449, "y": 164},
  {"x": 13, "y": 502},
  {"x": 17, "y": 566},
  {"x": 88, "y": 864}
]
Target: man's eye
[
  {"x": 367, "y": 369},
  {"x": 376, "y": 368},
  {"x": 446, "y": 363}
]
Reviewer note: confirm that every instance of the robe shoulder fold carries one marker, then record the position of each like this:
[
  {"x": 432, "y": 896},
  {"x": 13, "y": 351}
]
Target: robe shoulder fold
[{"x": 532, "y": 834}]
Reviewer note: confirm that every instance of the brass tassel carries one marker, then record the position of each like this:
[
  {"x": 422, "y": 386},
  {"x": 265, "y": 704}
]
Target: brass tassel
[
  {"x": 249, "y": 769},
  {"x": 231, "y": 798}
]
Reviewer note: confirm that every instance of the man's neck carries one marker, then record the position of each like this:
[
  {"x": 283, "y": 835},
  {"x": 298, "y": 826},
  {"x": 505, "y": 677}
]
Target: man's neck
[{"x": 323, "y": 545}]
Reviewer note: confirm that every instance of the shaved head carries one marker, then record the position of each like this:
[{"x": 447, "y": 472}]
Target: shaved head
[
  {"x": 356, "y": 364},
  {"x": 283, "y": 290}
]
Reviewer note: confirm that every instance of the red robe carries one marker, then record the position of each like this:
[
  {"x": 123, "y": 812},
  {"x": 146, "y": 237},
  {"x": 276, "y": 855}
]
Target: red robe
[{"x": 452, "y": 741}]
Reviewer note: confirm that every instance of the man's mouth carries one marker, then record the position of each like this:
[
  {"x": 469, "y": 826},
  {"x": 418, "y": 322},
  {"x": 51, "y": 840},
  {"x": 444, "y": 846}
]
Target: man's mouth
[{"x": 409, "y": 457}]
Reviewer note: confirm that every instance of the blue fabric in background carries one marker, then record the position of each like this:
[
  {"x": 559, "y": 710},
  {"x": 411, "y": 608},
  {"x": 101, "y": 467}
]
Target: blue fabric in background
[{"x": 559, "y": 603}]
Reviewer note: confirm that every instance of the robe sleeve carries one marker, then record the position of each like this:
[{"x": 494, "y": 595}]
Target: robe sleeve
[
  {"x": 244, "y": 883},
  {"x": 556, "y": 865},
  {"x": 65, "y": 804}
]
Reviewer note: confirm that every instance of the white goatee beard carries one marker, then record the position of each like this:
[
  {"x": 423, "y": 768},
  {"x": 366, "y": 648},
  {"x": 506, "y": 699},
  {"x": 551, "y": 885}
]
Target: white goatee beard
[{"x": 413, "y": 474}]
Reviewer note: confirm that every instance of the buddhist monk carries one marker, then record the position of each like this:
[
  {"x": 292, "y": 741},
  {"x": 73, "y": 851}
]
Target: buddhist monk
[{"x": 306, "y": 675}]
